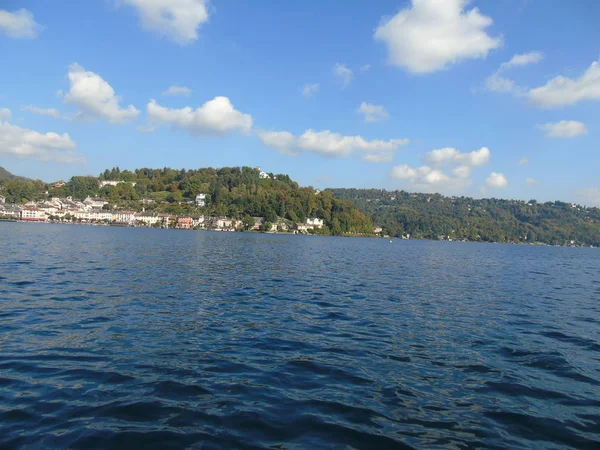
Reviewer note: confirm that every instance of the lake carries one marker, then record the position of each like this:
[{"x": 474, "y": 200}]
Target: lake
[{"x": 140, "y": 338}]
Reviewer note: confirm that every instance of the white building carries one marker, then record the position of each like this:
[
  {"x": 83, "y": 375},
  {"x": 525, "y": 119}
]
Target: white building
[
  {"x": 198, "y": 221},
  {"x": 2, "y": 199},
  {"x": 114, "y": 182},
  {"x": 201, "y": 200},
  {"x": 314, "y": 222},
  {"x": 10, "y": 211},
  {"x": 262, "y": 174},
  {"x": 149, "y": 219},
  {"x": 33, "y": 215},
  {"x": 94, "y": 202},
  {"x": 124, "y": 216}
]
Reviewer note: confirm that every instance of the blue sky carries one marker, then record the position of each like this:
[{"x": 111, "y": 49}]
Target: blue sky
[{"x": 480, "y": 98}]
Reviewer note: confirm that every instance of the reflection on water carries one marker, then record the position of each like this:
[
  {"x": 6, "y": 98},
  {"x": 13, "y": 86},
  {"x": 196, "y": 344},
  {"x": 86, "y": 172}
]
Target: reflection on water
[{"x": 138, "y": 338}]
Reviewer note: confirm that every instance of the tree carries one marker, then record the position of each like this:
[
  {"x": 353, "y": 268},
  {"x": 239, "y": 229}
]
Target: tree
[
  {"x": 82, "y": 187},
  {"x": 248, "y": 221}
]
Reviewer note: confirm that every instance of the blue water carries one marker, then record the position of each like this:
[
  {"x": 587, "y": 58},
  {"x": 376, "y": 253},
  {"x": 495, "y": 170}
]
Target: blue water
[{"x": 139, "y": 338}]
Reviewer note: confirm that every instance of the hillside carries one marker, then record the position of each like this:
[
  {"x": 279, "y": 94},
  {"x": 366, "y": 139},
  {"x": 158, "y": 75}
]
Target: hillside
[
  {"x": 434, "y": 216},
  {"x": 6, "y": 175},
  {"x": 234, "y": 192}
]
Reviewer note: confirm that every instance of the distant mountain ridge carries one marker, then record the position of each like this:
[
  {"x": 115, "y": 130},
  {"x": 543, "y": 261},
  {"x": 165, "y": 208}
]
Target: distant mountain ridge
[{"x": 6, "y": 175}]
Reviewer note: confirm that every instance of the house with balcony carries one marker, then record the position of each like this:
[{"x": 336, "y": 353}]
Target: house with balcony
[{"x": 124, "y": 217}]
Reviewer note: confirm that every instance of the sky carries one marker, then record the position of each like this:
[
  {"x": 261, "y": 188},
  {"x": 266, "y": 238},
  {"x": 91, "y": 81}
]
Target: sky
[{"x": 482, "y": 98}]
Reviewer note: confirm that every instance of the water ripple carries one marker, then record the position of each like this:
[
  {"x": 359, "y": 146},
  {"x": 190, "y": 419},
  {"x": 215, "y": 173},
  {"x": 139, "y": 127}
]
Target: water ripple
[{"x": 135, "y": 338}]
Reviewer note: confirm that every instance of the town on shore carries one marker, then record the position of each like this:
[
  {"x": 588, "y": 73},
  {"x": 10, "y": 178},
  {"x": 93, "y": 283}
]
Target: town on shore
[
  {"x": 95, "y": 211},
  {"x": 249, "y": 199}
]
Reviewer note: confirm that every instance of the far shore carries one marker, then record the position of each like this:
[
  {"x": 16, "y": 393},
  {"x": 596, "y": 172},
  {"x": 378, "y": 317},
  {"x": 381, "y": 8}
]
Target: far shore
[{"x": 370, "y": 236}]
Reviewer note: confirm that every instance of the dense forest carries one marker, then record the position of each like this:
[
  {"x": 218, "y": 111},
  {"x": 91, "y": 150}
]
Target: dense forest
[
  {"x": 434, "y": 216},
  {"x": 234, "y": 192}
]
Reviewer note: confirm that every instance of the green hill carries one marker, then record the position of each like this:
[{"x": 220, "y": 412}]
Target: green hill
[
  {"x": 434, "y": 216},
  {"x": 234, "y": 192}
]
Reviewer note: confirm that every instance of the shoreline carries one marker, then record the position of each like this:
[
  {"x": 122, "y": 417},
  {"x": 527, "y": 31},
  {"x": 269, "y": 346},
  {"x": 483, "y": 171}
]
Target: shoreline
[{"x": 119, "y": 225}]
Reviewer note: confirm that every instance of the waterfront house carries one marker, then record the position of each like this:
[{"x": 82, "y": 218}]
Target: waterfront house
[
  {"x": 197, "y": 221},
  {"x": 184, "y": 223},
  {"x": 2, "y": 199},
  {"x": 314, "y": 222},
  {"x": 148, "y": 219},
  {"x": 303, "y": 228},
  {"x": 124, "y": 217},
  {"x": 258, "y": 222},
  {"x": 224, "y": 223},
  {"x": 33, "y": 215},
  {"x": 282, "y": 225},
  {"x": 377, "y": 230},
  {"x": 10, "y": 211},
  {"x": 167, "y": 220}
]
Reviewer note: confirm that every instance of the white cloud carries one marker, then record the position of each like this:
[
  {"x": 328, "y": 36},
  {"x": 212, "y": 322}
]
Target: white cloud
[
  {"x": 52, "y": 112},
  {"x": 523, "y": 161},
  {"x": 5, "y": 114},
  {"x": 215, "y": 117},
  {"x": 530, "y": 181},
  {"x": 279, "y": 140},
  {"x": 378, "y": 157},
  {"x": 331, "y": 144},
  {"x": 310, "y": 89},
  {"x": 499, "y": 83},
  {"x": 425, "y": 177},
  {"x": 344, "y": 74},
  {"x": 523, "y": 59},
  {"x": 147, "y": 128},
  {"x": 405, "y": 172},
  {"x": 564, "y": 91},
  {"x": 177, "y": 20},
  {"x": 462, "y": 171},
  {"x": 431, "y": 175},
  {"x": 587, "y": 196},
  {"x": 373, "y": 113},
  {"x": 365, "y": 68},
  {"x": 432, "y": 34},
  {"x": 95, "y": 98},
  {"x": 564, "y": 129},
  {"x": 449, "y": 155},
  {"x": 178, "y": 90},
  {"x": 19, "y": 24},
  {"x": 25, "y": 143},
  {"x": 496, "y": 181}
]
